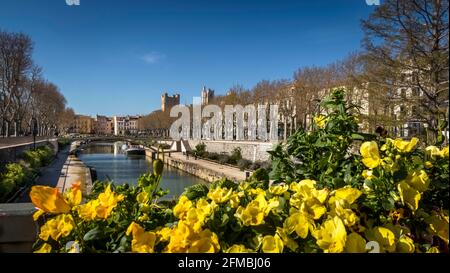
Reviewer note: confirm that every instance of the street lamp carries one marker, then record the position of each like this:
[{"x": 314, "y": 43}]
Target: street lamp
[{"x": 34, "y": 129}]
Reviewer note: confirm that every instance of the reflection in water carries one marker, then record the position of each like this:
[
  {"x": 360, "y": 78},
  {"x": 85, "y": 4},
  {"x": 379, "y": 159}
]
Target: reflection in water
[{"x": 111, "y": 163}]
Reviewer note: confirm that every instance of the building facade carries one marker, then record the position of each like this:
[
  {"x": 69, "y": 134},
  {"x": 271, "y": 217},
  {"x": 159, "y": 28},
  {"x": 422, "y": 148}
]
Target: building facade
[
  {"x": 207, "y": 95},
  {"x": 84, "y": 124},
  {"x": 128, "y": 125},
  {"x": 101, "y": 125}
]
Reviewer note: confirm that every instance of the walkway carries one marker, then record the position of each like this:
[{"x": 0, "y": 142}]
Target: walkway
[
  {"x": 73, "y": 171},
  {"x": 49, "y": 175},
  {"x": 227, "y": 171},
  {"x": 18, "y": 141}
]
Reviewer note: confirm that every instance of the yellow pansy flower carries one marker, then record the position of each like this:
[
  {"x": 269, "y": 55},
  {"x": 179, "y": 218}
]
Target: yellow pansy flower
[
  {"x": 278, "y": 189},
  {"x": 60, "y": 226},
  {"x": 180, "y": 239},
  {"x": 384, "y": 237},
  {"x": 272, "y": 244},
  {"x": 287, "y": 241},
  {"x": 331, "y": 236},
  {"x": 350, "y": 195},
  {"x": 45, "y": 248},
  {"x": 348, "y": 216},
  {"x": 444, "y": 152},
  {"x": 143, "y": 197},
  {"x": 73, "y": 195},
  {"x": 320, "y": 121},
  {"x": 164, "y": 234},
  {"x": 433, "y": 151},
  {"x": 308, "y": 199},
  {"x": 205, "y": 242},
  {"x": 196, "y": 217},
  {"x": 101, "y": 207},
  {"x": 433, "y": 250},
  {"x": 182, "y": 207},
  {"x": 143, "y": 241},
  {"x": 355, "y": 243},
  {"x": 235, "y": 199},
  {"x": 409, "y": 195},
  {"x": 300, "y": 223},
  {"x": 312, "y": 208},
  {"x": 439, "y": 225},
  {"x": 49, "y": 200},
  {"x": 404, "y": 146},
  {"x": 251, "y": 215},
  {"x": 418, "y": 180},
  {"x": 405, "y": 245},
  {"x": 370, "y": 154},
  {"x": 239, "y": 249},
  {"x": 220, "y": 195}
]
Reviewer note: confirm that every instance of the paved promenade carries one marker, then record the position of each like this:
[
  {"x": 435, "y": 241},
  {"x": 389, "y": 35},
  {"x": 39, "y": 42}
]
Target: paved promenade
[
  {"x": 227, "y": 171},
  {"x": 16, "y": 141},
  {"x": 62, "y": 173},
  {"x": 49, "y": 175}
]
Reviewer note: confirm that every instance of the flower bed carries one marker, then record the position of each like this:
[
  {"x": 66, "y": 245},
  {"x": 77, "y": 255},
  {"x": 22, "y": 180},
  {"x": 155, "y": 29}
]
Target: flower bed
[
  {"x": 16, "y": 175},
  {"x": 391, "y": 197}
]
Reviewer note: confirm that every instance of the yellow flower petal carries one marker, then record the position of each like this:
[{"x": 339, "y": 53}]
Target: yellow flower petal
[
  {"x": 45, "y": 248},
  {"x": 272, "y": 244},
  {"x": 331, "y": 236},
  {"x": 49, "y": 199},
  {"x": 409, "y": 195},
  {"x": 38, "y": 214},
  {"x": 405, "y": 245},
  {"x": 348, "y": 194},
  {"x": 355, "y": 243},
  {"x": 369, "y": 152}
]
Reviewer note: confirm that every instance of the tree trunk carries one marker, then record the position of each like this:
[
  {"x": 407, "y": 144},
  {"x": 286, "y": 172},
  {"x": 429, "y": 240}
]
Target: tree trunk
[{"x": 7, "y": 129}]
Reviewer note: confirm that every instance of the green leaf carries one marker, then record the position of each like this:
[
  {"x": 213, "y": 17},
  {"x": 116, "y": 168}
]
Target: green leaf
[
  {"x": 92, "y": 234},
  {"x": 357, "y": 137}
]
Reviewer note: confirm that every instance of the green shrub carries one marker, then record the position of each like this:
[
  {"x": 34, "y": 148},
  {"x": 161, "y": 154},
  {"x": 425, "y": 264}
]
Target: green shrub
[
  {"x": 200, "y": 149},
  {"x": 244, "y": 164},
  {"x": 213, "y": 156},
  {"x": 13, "y": 176},
  {"x": 196, "y": 191},
  {"x": 40, "y": 157},
  {"x": 236, "y": 155},
  {"x": 224, "y": 159},
  {"x": 63, "y": 142}
]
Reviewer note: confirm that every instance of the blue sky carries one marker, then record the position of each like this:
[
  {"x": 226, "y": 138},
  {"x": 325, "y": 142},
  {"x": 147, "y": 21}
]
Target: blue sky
[{"x": 118, "y": 56}]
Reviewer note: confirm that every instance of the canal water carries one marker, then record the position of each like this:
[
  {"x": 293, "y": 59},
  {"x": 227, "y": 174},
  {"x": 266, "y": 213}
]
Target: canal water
[{"x": 111, "y": 163}]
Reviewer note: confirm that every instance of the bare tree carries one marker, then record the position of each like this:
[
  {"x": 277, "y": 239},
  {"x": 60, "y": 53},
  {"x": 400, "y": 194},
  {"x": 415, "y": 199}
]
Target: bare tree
[
  {"x": 408, "y": 42},
  {"x": 15, "y": 64}
]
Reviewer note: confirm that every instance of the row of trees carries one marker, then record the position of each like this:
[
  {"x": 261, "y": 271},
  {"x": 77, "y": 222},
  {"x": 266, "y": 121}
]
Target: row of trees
[
  {"x": 24, "y": 93},
  {"x": 400, "y": 75},
  {"x": 401, "y": 72}
]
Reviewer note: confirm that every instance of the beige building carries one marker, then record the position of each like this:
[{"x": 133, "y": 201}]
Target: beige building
[
  {"x": 207, "y": 95},
  {"x": 101, "y": 125},
  {"x": 84, "y": 124},
  {"x": 167, "y": 102},
  {"x": 125, "y": 125}
]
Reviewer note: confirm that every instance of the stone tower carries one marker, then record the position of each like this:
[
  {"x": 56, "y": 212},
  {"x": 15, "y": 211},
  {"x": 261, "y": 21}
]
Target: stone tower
[{"x": 168, "y": 102}]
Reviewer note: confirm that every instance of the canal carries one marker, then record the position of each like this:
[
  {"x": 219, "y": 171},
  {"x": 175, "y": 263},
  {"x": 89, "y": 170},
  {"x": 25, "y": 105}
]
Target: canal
[{"x": 111, "y": 163}]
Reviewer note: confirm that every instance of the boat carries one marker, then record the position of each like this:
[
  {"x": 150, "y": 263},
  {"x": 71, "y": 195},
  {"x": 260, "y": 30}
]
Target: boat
[{"x": 135, "y": 150}]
